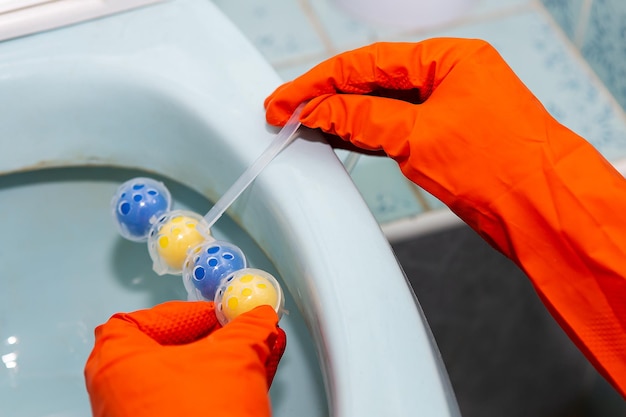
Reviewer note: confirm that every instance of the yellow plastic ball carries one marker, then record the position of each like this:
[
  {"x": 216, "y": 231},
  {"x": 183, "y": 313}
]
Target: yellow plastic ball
[
  {"x": 175, "y": 234},
  {"x": 246, "y": 289}
]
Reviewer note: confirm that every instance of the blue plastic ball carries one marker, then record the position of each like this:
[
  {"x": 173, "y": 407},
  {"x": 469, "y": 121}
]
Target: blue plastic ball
[
  {"x": 208, "y": 263},
  {"x": 136, "y": 206}
]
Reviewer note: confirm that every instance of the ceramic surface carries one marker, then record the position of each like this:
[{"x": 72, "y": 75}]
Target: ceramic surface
[{"x": 168, "y": 90}]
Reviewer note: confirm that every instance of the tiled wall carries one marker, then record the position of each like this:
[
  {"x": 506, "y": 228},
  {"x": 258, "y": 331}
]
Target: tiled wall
[
  {"x": 598, "y": 29},
  {"x": 294, "y": 35}
]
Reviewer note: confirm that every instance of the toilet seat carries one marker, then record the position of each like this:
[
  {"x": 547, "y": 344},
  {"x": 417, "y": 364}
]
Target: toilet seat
[
  {"x": 376, "y": 351},
  {"x": 25, "y": 17}
]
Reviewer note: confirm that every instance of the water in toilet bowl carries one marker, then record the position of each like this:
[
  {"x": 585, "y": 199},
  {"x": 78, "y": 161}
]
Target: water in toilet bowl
[{"x": 85, "y": 273}]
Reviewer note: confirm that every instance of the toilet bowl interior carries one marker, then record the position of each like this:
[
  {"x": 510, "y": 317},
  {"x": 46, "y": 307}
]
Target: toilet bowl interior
[{"x": 64, "y": 269}]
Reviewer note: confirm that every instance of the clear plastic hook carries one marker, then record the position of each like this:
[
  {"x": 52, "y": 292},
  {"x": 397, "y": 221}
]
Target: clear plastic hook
[{"x": 280, "y": 142}]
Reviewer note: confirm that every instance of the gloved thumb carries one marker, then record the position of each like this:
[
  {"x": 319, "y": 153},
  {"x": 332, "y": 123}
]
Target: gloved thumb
[{"x": 251, "y": 344}]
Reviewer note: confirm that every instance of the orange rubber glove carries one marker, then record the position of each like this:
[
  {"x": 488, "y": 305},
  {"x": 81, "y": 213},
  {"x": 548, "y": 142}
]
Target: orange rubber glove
[
  {"x": 176, "y": 360},
  {"x": 464, "y": 127}
]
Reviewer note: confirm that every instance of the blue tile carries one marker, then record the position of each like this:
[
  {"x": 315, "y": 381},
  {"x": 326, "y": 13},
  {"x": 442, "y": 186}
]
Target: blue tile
[
  {"x": 346, "y": 31},
  {"x": 604, "y": 45},
  {"x": 432, "y": 202},
  {"x": 386, "y": 191},
  {"x": 343, "y": 30},
  {"x": 566, "y": 13},
  {"x": 556, "y": 75},
  {"x": 490, "y": 7},
  {"x": 291, "y": 71},
  {"x": 280, "y": 29}
]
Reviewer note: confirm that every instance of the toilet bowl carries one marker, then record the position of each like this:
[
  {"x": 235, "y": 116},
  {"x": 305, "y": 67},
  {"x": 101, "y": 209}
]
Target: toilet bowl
[{"x": 175, "y": 92}]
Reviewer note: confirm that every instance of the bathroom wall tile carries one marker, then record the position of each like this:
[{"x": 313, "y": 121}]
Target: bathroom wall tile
[
  {"x": 604, "y": 45},
  {"x": 345, "y": 31},
  {"x": 292, "y": 70},
  {"x": 385, "y": 190},
  {"x": 556, "y": 75},
  {"x": 490, "y": 7},
  {"x": 279, "y": 29},
  {"x": 432, "y": 202},
  {"x": 566, "y": 13}
]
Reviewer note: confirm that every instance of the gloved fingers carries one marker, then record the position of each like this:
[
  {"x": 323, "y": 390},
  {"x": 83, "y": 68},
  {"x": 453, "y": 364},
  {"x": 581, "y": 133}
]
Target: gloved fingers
[
  {"x": 258, "y": 326},
  {"x": 420, "y": 66},
  {"x": 276, "y": 353},
  {"x": 247, "y": 341},
  {"x": 370, "y": 123},
  {"x": 129, "y": 372},
  {"x": 170, "y": 323}
]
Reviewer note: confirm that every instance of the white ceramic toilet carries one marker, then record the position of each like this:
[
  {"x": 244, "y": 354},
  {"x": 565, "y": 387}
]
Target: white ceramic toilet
[{"x": 174, "y": 91}]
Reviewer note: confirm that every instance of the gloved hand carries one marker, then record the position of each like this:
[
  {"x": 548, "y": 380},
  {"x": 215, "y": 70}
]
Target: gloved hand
[
  {"x": 462, "y": 125},
  {"x": 176, "y": 360}
]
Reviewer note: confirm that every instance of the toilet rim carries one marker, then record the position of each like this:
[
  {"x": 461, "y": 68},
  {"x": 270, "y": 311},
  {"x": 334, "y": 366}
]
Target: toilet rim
[{"x": 357, "y": 310}]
